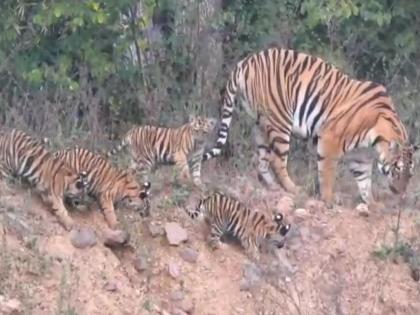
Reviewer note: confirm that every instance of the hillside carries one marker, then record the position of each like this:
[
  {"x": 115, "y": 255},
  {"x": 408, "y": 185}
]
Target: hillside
[{"x": 334, "y": 262}]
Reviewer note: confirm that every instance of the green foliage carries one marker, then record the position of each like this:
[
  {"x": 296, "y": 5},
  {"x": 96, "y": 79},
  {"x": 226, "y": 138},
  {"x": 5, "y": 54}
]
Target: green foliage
[{"x": 102, "y": 63}]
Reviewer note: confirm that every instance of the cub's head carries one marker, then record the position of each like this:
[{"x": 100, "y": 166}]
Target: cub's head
[
  {"x": 77, "y": 184},
  {"x": 202, "y": 125},
  {"x": 136, "y": 196},
  {"x": 278, "y": 237},
  {"x": 398, "y": 166}
]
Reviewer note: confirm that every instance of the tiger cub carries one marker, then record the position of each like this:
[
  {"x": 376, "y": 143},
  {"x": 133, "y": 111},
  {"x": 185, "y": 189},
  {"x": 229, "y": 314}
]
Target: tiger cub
[
  {"x": 107, "y": 184},
  {"x": 24, "y": 157},
  {"x": 252, "y": 228},
  {"x": 150, "y": 146}
]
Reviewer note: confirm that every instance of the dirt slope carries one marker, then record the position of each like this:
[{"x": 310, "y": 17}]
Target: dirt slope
[{"x": 327, "y": 267}]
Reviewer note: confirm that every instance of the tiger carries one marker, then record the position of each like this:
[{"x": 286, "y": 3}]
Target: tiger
[
  {"x": 228, "y": 216},
  {"x": 107, "y": 184},
  {"x": 289, "y": 92},
  {"x": 26, "y": 158},
  {"x": 150, "y": 146}
]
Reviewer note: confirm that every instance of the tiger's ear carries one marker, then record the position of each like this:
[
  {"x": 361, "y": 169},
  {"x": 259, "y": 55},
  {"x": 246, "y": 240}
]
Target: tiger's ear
[{"x": 415, "y": 147}]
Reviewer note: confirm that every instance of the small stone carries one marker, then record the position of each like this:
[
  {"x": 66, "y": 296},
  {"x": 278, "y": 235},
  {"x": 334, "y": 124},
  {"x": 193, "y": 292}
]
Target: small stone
[
  {"x": 363, "y": 209},
  {"x": 177, "y": 295},
  {"x": 155, "y": 230},
  {"x": 301, "y": 212},
  {"x": 187, "y": 305},
  {"x": 173, "y": 270},
  {"x": 175, "y": 233},
  {"x": 83, "y": 237},
  {"x": 10, "y": 307},
  {"x": 140, "y": 264},
  {"x": 189, "y": 255},
  {"x": 415, "y": 274},
  {"x": 115, "y": 238},
  {"x": 111, "y": 286}
]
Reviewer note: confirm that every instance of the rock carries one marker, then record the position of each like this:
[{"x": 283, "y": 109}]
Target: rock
[
  {"x": 177, "y": 295},
  {"x": 83, "y": 237},
  {"x": 189, "y": 255},
  {"x": 285, "y": 204},
  {"x": 111, "y": 286},
  {"x": 173, "y": 270},
  {"x": 301, "y": 213},
  {"x": 115, "y": 238},
  {"x": 187, "y": 305},
  {"x": 10, "y": 307},
  {"x": 175, "y": 233},
  {"x": 251, "y": 277},
  {"x": 155, "y": 230},
  {"x": 140, "y": 264},
  {"x": 415, "y": 274},
  {"x": 363, "y": 209}
]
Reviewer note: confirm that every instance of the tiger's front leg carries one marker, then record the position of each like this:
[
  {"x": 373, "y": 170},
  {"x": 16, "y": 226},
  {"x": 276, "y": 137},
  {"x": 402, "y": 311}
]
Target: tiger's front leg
[
  {"x": 107, "y": 206},
  {"x": 182, "y": 163},
  {"x": 195, "y": 165},
  {"x": 59, "y": 210}
]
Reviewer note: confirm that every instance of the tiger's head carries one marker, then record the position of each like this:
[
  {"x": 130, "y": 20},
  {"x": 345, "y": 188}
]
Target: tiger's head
[
  {"x": 278, "y": 237},
  {"x": 76, "y": 188},
  {"x": 136, "y": 197},
  {"x": 201, "y": 125},
  {"x": 398, "y": 166}
]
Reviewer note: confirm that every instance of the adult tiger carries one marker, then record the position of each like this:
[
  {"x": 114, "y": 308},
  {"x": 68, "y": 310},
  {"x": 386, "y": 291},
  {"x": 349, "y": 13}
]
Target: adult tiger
[
  {"x": 25, "y": 157},
  {"x": 107, "y": 184},
  {"x": 150, "y": 146},
  {"x": 291, "y": 92},
  {"x": 252, "y": 228}
]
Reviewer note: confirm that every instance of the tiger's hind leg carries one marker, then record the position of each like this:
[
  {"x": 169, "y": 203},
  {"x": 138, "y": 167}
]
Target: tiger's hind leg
[
  {"x": 265, "y": 174},
  {"x": 279, "y": 141}
]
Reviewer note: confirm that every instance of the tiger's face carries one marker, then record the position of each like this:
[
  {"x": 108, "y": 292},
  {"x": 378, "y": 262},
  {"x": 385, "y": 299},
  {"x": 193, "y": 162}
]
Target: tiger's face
[
  {"x": 202, "y": 125},
  {"x": 278, "y": 238},
  {"x": 77, "y": 186},
  {"x": 137, "y": 198},
  {"x": 400, "y": 169}
]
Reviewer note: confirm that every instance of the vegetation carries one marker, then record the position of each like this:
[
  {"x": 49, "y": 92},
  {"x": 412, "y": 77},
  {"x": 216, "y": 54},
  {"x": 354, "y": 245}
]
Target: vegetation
[{"x": 67, "y": 66}]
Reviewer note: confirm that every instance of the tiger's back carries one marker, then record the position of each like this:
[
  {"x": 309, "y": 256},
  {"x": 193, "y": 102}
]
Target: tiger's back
[
  {"x": 108, "y": 184},
  {"x": 25, "y": 157},
  {"x": 227, "y": 215},
  {"x": 150, "y": 146}
]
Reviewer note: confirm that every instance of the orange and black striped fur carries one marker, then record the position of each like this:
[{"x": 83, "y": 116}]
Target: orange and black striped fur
[
  {"x": 25, "y": 157},
  {"x": 150, "y": 146},
  {"x": 252, "y": 228},
  {"x": 290, "y": 92},
  {"x": 107, "y": 184}
]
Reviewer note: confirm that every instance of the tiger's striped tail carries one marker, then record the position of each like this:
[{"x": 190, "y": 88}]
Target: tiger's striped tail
[{"x": 226, "y": 115}]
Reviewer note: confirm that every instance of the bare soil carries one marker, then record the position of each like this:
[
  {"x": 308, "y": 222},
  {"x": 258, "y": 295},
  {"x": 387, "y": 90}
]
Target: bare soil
[{"x": 335, "y": 261}]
